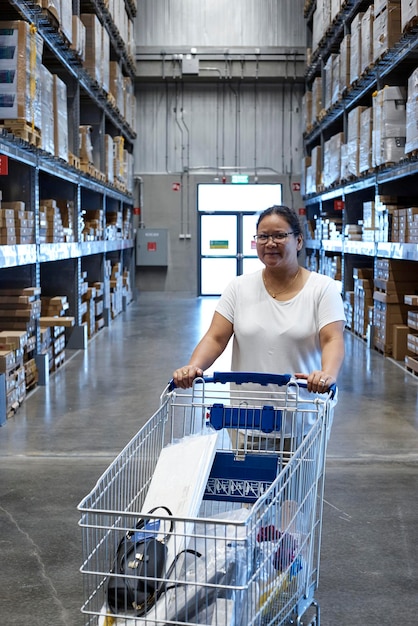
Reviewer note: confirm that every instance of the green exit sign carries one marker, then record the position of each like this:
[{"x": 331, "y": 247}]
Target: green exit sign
[{"x": 241, "y": 179}]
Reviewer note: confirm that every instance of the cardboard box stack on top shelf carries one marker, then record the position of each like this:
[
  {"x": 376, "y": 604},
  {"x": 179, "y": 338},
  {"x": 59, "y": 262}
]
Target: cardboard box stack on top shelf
[
  {"x": 20, "y": 63},
  {"x": 409, "y": 13},
  {"x": 390, "y": 130},
  {"x": 332, "y": 160},
  {"x": 389, "y": 125},
  {"x": 365, "y": 141},
  {"x": 351, "y": 164},
  {"x": 386, "y": 27},
  {"x": 366, "y": 40}
]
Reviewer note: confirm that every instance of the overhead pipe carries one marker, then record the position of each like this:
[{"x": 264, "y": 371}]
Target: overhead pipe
[
  {"x": 186, "y": 168},
  {"x": 176, "y": 110}
]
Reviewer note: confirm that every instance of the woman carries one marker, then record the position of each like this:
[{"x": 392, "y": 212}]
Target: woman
[{"x": 283, "y": 318}]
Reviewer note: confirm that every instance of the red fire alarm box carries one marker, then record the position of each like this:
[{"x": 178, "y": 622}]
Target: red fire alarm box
[{"x": 4, "y": 165}]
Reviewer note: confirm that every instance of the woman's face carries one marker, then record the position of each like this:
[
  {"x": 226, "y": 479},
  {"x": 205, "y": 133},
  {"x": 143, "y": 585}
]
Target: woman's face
[{"x": 280, "y": 253}]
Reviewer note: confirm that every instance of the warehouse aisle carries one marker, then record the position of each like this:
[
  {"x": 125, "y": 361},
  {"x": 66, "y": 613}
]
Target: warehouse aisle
[{"x": 65, "y": 435}]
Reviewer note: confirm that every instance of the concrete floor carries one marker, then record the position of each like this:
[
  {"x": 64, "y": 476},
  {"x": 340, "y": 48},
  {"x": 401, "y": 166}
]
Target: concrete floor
[{"x": 66, "y": 434}]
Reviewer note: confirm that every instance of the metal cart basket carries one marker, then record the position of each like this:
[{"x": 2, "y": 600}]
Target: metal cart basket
[{"x": 249, "y": 450}]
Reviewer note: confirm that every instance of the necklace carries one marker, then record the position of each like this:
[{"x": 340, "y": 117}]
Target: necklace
[{"x": 277, "y": 293}]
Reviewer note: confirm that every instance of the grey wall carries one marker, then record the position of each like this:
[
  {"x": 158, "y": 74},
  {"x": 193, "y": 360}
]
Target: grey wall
[
  {"x": 194, "y": 130},
  {"x": 212, "y": 125},
  {"x": 220, "y": 23}
]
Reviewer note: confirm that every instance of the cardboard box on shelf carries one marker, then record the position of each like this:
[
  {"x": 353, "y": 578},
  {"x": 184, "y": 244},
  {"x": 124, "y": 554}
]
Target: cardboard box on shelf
[
  {"x": 409, "y": 13},
  {"x": 366, "y": 39},
  {"x": 332, "y": 159},
  {"x": 78, "y": 37},
  {"x": 93, "y": 47},
  {"x": 20, "y": 64},
  {"x": 386, "y": 29},
  {"x": 317, "y": 104},
  {"x": 60, "y": 118},
  {"x": 355, "y": 48},
  {"x": 344, "y": 74}
]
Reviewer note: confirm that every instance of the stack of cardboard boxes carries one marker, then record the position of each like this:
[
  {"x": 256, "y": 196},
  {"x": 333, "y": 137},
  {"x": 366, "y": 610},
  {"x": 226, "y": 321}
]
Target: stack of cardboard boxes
[
  {"x": 17, "y": 226},
  {"x": 411, "y": 331},
  {"x": 393, "y": 279},
  {"x": 389, "y": 128},
  {"x": 19, "y": 311},
  {"x": 363, "y": 299}
]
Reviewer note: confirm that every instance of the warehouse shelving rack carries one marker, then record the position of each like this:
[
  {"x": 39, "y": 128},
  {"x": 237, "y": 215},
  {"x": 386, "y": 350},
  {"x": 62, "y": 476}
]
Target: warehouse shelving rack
[
  {"x": 33, "y": 174},
  {"x": 392, "y": 69}
]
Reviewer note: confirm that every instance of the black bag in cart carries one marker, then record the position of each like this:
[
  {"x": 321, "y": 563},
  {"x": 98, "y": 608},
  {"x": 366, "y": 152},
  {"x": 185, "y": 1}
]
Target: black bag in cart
[{"x": 141, "y": 559}]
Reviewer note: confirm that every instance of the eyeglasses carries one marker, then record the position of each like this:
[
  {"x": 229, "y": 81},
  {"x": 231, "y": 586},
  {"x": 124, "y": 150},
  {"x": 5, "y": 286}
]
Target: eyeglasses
[{"x": 276, "y": 238}]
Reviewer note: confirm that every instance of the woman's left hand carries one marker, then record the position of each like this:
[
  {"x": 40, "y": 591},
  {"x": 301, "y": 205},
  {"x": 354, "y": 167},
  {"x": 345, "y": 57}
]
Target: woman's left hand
[{"x": 318, "y": 381}]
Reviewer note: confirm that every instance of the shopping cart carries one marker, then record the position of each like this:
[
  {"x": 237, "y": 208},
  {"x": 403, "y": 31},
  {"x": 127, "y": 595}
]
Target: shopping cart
[{"x": 228, "y": 531}]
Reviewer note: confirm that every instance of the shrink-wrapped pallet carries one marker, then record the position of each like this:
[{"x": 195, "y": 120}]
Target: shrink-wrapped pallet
[
  {"x": 109, "y": 169},
  {"x": 316, "y": 164},
  {"x": 389, "y": 125},
  {"x": 105, "y": 60},
  {"x": 116, "y": 85},
  {"x": 366, "y": 40},
  {"x": 47, "y": 110},
  {"x": 327, "y": 82},
  {"x": 355, "y": 48},
  {"x": 307, "y": 111},
  {"x": 94, "y": 44},
  {"x": 365, "y": 140},
  {"x": 20, "y": 64},
  {"x": 354, "y": 131},
  {"x": 412, "y": 113},
  {"x": 386, "y": 30},
  {"x": 66, "y": 22},
  {"x": 60, "y": 119},
  {"x": 78, "y": 37},
  {"x": 332, "y": 160},
  {"x": 409, "y": 13},
  {"x": 383, "y": 5},
  {"x": 344, "y": 73},
  {"x": 335, "y": 8},
  {"x": 321, "y": 21},
  {"x": 317, "y": 105},
  {"x": 129, "y": 101},
  {"x": 345, "y": 174}
]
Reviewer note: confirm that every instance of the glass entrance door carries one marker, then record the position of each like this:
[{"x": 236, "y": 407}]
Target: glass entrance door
[
  {"x": 228, "y": 215},
  {"x": 226, "y": 250}
]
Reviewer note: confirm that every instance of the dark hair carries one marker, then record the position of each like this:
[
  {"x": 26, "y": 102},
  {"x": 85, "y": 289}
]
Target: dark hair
[{"x": 288, "y": 214}]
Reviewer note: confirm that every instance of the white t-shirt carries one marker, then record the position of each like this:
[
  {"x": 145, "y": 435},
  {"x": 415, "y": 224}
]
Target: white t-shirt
[{"x": 279, "y": 336}]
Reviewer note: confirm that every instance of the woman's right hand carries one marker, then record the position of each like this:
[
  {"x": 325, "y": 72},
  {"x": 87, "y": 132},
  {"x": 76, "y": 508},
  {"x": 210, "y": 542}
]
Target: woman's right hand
[{"x": 184, "y": 376}]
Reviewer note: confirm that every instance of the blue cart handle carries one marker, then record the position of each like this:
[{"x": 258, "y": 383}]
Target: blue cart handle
[
  {"x": 248, "y": 377},
  {"x": 259, "y": 378}
]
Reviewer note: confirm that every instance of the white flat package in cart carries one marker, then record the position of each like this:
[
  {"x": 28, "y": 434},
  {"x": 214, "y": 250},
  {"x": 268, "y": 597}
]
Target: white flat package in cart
[{"x": 212, "y": 513}]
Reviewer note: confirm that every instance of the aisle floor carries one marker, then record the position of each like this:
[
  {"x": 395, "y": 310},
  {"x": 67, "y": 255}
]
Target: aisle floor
[{"x": 66, "y": 434}]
